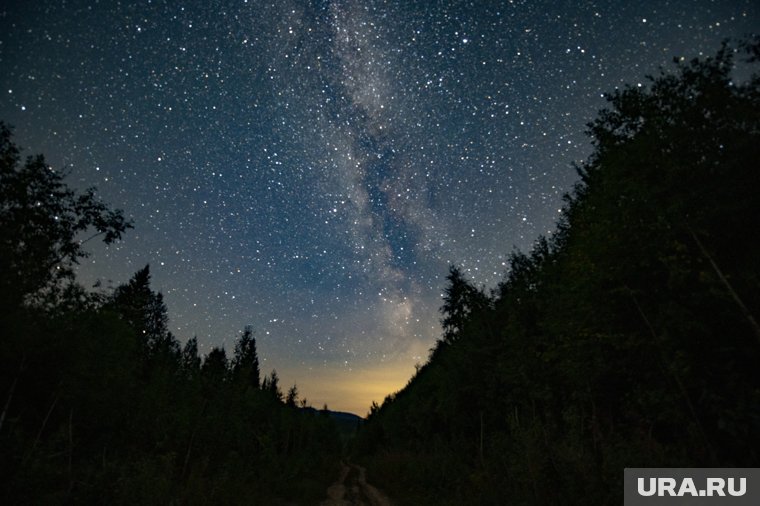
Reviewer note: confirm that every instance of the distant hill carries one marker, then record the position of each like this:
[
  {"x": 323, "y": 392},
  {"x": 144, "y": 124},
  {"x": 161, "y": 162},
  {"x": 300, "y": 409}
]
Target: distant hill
[
  {"x": 347, "y": 423},
  {"x": 344, "y": 416}
]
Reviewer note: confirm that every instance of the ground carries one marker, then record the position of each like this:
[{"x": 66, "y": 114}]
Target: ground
[{"x": 352, "y": 489}]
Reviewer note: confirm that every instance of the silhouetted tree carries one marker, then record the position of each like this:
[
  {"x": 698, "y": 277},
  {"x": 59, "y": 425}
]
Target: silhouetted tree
[
  {"x": 460, "y": 300},
  {"x": 215, "y": 366},
  {"x": 135, "y": 302},
  {"x": 191, "y": 361},
  {"x": 145, "y": 311},
  {"x": 271, "y": 384},
  {"x": 291, "y": 399},
  {"x": 245, "y": 362},
  {"x": 41, "y": 223}
]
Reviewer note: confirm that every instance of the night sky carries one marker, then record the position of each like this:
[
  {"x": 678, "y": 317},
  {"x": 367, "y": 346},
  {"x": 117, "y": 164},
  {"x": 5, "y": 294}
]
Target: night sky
[{"x": 312, "y": 168}]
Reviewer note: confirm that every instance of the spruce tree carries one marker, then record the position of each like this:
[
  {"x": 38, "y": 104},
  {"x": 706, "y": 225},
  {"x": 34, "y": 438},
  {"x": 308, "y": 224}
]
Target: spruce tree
[{"x": 245, "y": 362}]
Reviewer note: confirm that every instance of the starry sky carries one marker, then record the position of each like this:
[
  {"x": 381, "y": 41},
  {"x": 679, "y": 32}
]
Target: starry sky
[{"x": 311, "y": 168}]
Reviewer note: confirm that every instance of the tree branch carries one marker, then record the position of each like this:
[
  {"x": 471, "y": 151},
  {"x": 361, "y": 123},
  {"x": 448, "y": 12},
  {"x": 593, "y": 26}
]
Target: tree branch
[{"x": 724, "y": 280}]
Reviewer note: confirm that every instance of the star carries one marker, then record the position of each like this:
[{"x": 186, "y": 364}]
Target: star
[{"x": 312, "y": 168}]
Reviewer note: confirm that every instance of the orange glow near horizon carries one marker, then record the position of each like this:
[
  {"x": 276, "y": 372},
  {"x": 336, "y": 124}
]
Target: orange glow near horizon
[{"x": 348, "y": 389}]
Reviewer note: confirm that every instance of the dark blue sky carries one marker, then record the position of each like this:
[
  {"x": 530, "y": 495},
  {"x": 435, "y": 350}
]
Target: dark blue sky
[{"x": 311, "y": 168}]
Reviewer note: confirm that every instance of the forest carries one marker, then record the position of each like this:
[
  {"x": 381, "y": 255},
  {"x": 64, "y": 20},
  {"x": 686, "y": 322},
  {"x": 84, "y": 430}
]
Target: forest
[
  {"x": 102, "y": 404},
  {"x": 626, "y": 338}
]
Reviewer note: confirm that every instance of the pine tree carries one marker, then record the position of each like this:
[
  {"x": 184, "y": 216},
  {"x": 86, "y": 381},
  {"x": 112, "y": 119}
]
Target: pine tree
[
  {"x": 271, "y": 384},
  {"x": 215, "y": 366},
  {"x": 291, "y": 399},
  {"x": 144, "y": 310},
  {"x": 461, "y": 299},
  {"x": 191, "y": 362},
  {"x": 245, "y": 362}
]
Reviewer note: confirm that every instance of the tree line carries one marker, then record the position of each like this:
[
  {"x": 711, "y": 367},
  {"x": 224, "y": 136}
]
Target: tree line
[
  {"x": 101, "y": 403},
  {"x": 627, "y": 338}
]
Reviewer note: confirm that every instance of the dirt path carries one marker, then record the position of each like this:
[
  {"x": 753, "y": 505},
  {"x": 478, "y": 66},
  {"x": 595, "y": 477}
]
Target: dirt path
[{"x": 352, "y": 489}]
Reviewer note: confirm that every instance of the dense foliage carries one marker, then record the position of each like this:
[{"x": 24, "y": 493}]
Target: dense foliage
[
  {"x": 629, "y": 338},
  {"x": 101, "y": 404}
]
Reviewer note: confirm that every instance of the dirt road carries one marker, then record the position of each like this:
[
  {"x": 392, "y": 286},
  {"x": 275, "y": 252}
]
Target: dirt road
[{"x": 352, "y": 489}]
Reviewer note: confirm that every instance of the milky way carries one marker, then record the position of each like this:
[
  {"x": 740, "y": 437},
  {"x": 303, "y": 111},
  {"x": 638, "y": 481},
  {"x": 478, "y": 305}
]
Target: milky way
[{"x": 312, "y": 168}]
